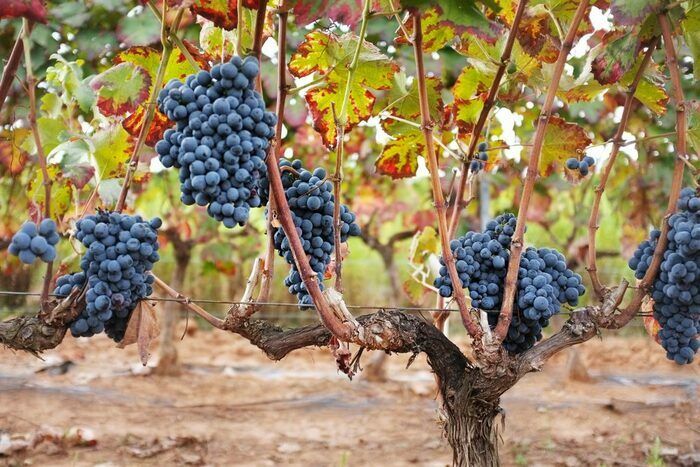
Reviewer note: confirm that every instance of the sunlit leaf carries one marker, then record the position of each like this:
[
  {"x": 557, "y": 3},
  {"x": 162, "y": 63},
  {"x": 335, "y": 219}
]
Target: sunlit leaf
[
  {"x": 73, "y": 158},
  {"x": 61, "y": 189},
  {"x": 112, "y": 149},
  {"x": 66, "y": 79},
  {"x": 426, "y": 244},
  {"x": 217, "y": 42},
  {"x": 694, "y": 126},
  {"x": 330, "y": 56}
]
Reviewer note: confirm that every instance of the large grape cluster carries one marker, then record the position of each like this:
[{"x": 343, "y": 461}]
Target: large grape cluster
[
  {"x": 32, "y": 242},
  {"x": 311, "y": 202},
  {"x": 121, "y": 250},
  {"x": 221, "y": 139},
  {"x": 544, "y": 281},
  {"x": 676, "y": 290}
]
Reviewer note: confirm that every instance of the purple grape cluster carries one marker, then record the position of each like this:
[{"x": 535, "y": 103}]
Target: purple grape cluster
[
  {"x": 477, "y": 164},
  {"x": 121, "y": 250},
  {"x": 582, "y": 166},
  {"x": 221, "y": 139},
  {"x": 311, "y": 202},
  {"x": 544, "y": 281},
  {"x": 676, "y": 290},
  {"x": 32, "y": 242}
]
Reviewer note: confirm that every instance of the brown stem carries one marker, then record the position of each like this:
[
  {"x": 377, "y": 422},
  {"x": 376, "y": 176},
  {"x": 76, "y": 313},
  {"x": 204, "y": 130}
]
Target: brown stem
[
  {"x": 258, "y": 34},
  {"x": 459, "y": 203},
  {"x": 532, "y": 171},
  {"x": 275, "y": 151},
  {"x": 342, "y": 329},
  {"x": 150, "y": 107},
  {"x": 426, "y": 127},
  {"x": 617, "y": 144},
  {"x": 677, "y": 180},
  {"x": 10, "y": 70},
  {"x": 41, "y": 156}
]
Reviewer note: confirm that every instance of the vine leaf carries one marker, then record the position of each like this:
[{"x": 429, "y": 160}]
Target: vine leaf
[
  {"x": 694, "y": 126},
  {"x": 61, "y": 190},
  {"x": 12, "y": 156},
  {"x": 619, "y": 50},
  {"x": 30, "y": 9},
  {"x": 691, "y": 32},
  {"x": 631, "y": 12},
  {"x": 340, "y": 11},
  {"x": 425, "y": 245},
  {"x": 448, "y": 20},
  {"x": 562, "y": 140},
  {"x": 330, "y": 56},
  {"x": 223, "y": 13},
  {"x": 470, "y": 92},
  {"x": 148, "y": 59},
  {"x": 399, "y": 157},
  {"x": 534, "y": 35},
  {"x": 650, "y": 90},
  {"x": 113, "y": 148},
  {"x": 142, "y": 330},
  {"x": 217, "y": 43},
  {"x": 67, "y": 77},
  {"x": 73, "y": 158},
  {"x": 121, "y": 89}
]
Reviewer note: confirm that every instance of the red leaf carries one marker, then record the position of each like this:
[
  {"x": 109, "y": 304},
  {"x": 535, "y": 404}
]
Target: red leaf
[
  {"x": 132, "y": 124},
  {"x": 30, "y": 9}
]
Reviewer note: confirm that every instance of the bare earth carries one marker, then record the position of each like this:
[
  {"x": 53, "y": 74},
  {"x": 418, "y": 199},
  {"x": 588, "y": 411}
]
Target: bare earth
[{"x": 232, "y": 406}]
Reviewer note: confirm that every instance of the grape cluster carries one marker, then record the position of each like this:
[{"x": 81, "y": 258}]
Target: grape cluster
[
  {"x": 480, "y": 160},
  {"x": 121, "y": 250},
  {"x": 311, "y": 202},
  {"x": 32, "y": 242},
  {"x": 544, "y": 281},
  {"x": 676, "y": 289},
  {"x": 221, "y": 139},
  {"x": 583, "y": 166}
]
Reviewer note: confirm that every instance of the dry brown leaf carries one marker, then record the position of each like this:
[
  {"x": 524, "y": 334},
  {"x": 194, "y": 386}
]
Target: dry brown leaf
[{"x": 142, "y": 329}]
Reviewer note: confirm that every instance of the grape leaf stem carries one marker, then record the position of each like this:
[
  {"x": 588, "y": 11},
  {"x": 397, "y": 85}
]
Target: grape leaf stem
[
  {"x": 516, "y": 248},
  {"x": 41, "y": 156},
  {"x": 275, "y": 150},
  {"x": 681, "y": 149},
  {"x": 150, "y": 107},
  {"x": 470, "y": 324},
  {"x": 459, "y": 203},
  {"x": 175, "y": 38},
  {"x": 600, "y": 188}
]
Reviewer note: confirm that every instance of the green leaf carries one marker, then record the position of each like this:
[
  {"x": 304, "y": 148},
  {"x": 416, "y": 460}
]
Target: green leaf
[
  {"x": 463, "y": 16},
  {"x": 562, "y": 140},
  {"x": 694, "y": 127},
  {"x": 329, "y": 55},
  {"x": 650, "y": 90},
  {"x": 121, "y": 89},
  {"x": 61, "y": 191},
  {"x": 619, "y": 50},
  {"x": 65, "y": 79},
  {"x": 469, "y": 91},
  {"x": 216, "y": 41},
  {"x": 691, "y": 33},
  {"x": 631, "y": 12},
  {"x": 428, "y": 243},
  {"x": 141, "y": 29}
]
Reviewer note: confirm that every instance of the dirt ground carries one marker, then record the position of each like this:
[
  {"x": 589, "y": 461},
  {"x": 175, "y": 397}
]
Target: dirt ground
[{"x": 89, "y": 403}]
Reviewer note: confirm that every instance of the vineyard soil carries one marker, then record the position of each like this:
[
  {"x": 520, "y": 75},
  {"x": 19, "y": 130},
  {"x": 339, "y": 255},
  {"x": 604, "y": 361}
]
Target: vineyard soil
[{"x": 232, "y": 406}]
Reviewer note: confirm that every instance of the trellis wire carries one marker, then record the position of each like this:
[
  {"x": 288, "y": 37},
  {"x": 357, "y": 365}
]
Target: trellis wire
[{"x": 276, "y": 304}]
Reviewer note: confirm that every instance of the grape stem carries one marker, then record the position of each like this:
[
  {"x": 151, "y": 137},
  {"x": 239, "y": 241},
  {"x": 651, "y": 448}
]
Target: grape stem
[
  {"x": 516, "y": 248},
  {"x": 187, "y": 303},
  {"x": 258, "y": 35},
  {"x": 459, "y": 203},
  {"x": 426, "y": 127},
  {"x": 41, "y": 156},
  {"x": 10, "y": 70},
  {"x": 175, "y": 38},
  {"x": 341, "y": 121},
  {"x": 681, "y": 147},
  {"x": 594, "y": 218},
  {"x": 151, "y": 106},
  {"x": 275, "y": 151}
]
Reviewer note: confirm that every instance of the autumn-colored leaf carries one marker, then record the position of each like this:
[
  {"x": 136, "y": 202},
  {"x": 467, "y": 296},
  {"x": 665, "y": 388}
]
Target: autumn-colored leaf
[
  {"x": 217, "y": 42},
  {"x": 142, "y": 329},
  {"x": 329, "y": 55},
  {"x": 121, "y": 89},
  {"x": 425, "y": 243},
  {"x": 222, "y": 13},
  {"x": 30, "y": 9},
  {"x": 399, "y": 157},
  {"x": 534, "y": 35},
  {"x": 619, "y": 50},
  {"x": 61, "y": 191},
  {"x": 341, "y": 11},
  {"x": 112, "y": 149},
  {"x": 631, "y": 12},
  {"x": 562, "y": 140},
  {"x": 414, "y": 290},
  {"x": 437, "y": 32},
  {"x": 12, "y": 156}
]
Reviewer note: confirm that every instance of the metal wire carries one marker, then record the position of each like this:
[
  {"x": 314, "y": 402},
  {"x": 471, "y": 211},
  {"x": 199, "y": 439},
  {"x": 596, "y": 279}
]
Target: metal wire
[{"x": 278, "y": 304}]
